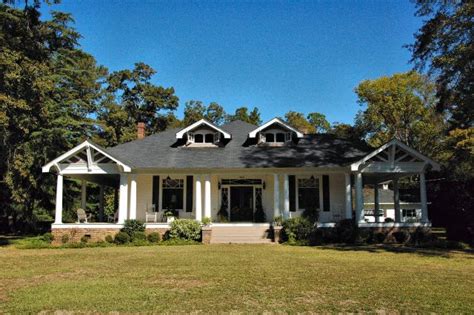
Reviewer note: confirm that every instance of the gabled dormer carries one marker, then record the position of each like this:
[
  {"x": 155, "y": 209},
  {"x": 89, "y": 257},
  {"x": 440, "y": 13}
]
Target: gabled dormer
[
  {"x": 203, "y": 134},
  {"x": 275, "y": 133}
]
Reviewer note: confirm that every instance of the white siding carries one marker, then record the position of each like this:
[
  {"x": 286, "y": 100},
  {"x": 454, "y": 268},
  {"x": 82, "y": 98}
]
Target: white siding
[{"x": 144, "y": 195}]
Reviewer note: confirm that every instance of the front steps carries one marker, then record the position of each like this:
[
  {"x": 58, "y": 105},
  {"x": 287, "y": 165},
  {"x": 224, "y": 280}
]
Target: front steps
[{"x": 241, "y": 234}]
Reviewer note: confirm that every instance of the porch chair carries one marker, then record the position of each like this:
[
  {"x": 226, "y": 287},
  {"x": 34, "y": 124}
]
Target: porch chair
[
  {"x": 82, "y": 216},
  {"x": 153, "y": 216}
]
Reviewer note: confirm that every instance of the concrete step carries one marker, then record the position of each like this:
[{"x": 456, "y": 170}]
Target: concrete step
[{"x": 240, "y": 234}]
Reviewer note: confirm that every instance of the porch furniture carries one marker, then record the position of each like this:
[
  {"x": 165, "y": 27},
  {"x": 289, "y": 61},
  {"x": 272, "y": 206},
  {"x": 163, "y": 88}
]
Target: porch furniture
[
  {"x": 113, "y": 218},
  {"x": 82, "y": 216},
  {"x": 151, "y": 217}
]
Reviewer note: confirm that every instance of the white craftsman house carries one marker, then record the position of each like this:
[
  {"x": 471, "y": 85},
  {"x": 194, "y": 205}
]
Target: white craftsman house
[{"x": 235, "y": 172}]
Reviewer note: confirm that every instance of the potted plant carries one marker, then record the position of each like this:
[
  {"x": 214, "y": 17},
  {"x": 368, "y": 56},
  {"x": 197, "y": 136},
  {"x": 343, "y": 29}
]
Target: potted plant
[
  {"x": 278, "y": 221},
  {"x": 170, "y": 215},
  {"x": 206, "y": 221}
]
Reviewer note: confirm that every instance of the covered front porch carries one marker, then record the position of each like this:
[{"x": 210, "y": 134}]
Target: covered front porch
[{"x": 239, "y": 196}]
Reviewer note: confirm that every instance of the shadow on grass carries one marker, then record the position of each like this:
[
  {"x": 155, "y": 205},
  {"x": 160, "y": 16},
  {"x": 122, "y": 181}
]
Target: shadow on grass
[
  {"x": 399, "y": 249},
  {"x": 6, "y": 240}
]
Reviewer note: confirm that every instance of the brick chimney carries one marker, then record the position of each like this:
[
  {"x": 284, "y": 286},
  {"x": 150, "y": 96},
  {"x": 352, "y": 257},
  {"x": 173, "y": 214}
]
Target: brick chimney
[{"x": 140, "y": 130}]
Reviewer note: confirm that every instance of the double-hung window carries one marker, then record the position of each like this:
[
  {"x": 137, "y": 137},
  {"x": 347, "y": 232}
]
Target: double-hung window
[
  {"x": 308, "y": 193},
  {"x": 173, "y": 194}
]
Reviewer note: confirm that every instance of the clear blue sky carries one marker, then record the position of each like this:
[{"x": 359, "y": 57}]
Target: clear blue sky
[{"x": 276, "y": 55}]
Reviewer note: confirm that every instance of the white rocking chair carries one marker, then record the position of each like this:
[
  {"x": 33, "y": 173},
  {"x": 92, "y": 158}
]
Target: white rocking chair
[{"x": 151, "y": 216}]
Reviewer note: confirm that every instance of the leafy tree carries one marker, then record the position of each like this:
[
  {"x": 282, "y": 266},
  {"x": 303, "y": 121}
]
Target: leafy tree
[
  {"x": 132, "y": 98},
  {"x": 215, "y": 113},
  {"x": 298, "y": 121},
  {"x": 445, "y": 45},
  {"x": 319, "y": 122},
  {"x": 242, "y": 113},
  {"x": 193, "y": 111},
  {"x": 48, "y": 89},
  {"x": 402, "y": 107},
  {"x": 346, "y": 131},
  {"x": 196, "y": 110}
]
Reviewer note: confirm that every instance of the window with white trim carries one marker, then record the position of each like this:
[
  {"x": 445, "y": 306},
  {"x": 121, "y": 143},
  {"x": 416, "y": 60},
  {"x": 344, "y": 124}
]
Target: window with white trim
[
  {"x": 203, "y": 138},
  {"x": 276, "y": 137}
]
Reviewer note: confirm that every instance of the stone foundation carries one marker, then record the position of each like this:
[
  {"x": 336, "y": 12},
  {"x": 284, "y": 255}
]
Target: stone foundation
[{"x": 75, "y": 234}]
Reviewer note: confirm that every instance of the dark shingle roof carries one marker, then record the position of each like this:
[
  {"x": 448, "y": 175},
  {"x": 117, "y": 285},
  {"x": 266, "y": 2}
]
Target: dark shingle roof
[{"x": 318, "y": 150}]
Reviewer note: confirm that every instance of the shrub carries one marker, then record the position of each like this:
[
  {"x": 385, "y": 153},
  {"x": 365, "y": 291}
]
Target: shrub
[
  {"x": 316, "y": 237},
  {"x": 347, "y": 231},
  {"x": 311, "y": 213},
  {"x": 378, "y": 237},
  {"x": 154, "y": 237},
  {"x": 206, "y": 221},
  {"x": 297, "y": 229},
  {"x": 121, "y": 238},
  {"x": 185, "y": 229},
  {"x": 420, "y": 235},
  {"x": 364, "y": 236},
  {"x": 48, "y": 237},
  {"x": 109, "y": 239},
  {"x": 132, "y": 226},
  {"x": 330, "y": 236},
  {"x": 389, "y": 220},
  {"x": 278, "y": 220},
  {"x": 401, "y": 236},
  {"x": 139, "y": 236},
  {"x": 85, "y": 239},
  {"x": 65, "y": 238}
]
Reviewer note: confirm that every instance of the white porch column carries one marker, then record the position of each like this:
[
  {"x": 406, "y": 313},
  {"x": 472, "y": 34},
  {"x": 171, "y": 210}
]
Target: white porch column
[
  {"x": 348, "y": 196},
  {"x": 198, "y": 203},
  {"x": 58, "y": 215},
  {"x": 396, "y": 201},
  {"x": 83, "y": 194},
  {"x": 286, "y": 194},
  {"x": 276, "y": 196},
  {"x": 423, "y": 199},
  {"x": 360, "y": 216},
  {"x": 207, "y": 196},
  {"x": 101, "y": 203},
  {"x": 123, "y": 199},
  {"x": 133, "y": 197}
]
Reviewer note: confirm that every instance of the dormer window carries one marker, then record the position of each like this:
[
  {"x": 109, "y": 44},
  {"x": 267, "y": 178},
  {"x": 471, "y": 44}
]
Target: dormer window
[
  {"x": 275, "y": 137},
  {"x": 275, "y": 132},
  {"x": 202, "y": 133}
]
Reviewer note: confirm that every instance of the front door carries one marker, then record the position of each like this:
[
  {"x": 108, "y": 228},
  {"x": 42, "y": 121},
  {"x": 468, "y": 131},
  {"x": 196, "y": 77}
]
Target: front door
[{"x": 241, "y": 204}]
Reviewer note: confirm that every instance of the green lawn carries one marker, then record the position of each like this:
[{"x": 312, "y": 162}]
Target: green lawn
[{"x": 249, "y": 278}]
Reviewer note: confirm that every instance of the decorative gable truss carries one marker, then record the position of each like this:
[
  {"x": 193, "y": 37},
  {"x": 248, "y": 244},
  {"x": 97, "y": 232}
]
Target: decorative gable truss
[
  {"x": 86, "y": 158},
  {"x": 275, "y": 121},
  {"x": 394, "y": 157}
]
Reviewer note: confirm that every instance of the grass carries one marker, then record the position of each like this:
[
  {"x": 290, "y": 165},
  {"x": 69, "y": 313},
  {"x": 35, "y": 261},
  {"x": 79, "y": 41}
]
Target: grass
[{"x": 224, "y": 278}]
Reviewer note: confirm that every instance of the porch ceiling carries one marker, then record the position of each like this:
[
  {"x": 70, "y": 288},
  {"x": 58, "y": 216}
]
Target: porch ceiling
[
  {"x": 377, "y": 178},
  {"x": 111, "y": 180}
]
